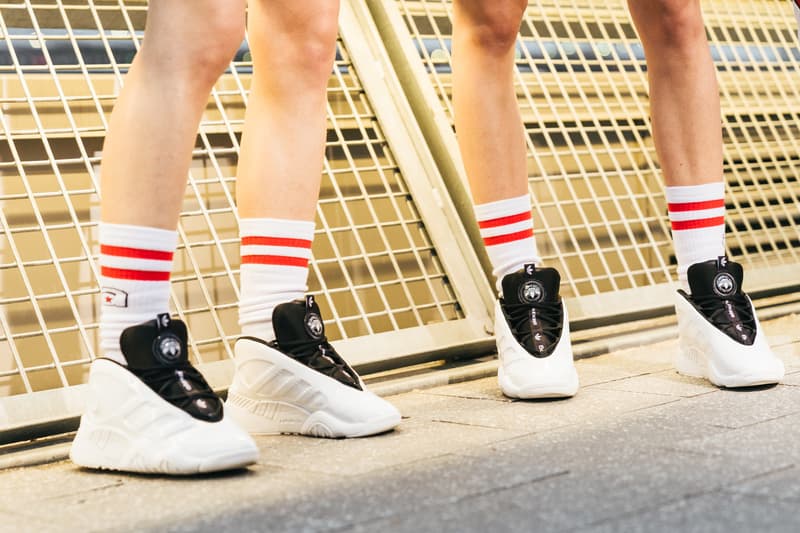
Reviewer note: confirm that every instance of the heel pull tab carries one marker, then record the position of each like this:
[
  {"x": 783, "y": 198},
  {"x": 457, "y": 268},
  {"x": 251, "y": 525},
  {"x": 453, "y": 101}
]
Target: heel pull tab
[
  {"x": 163, "y": 321},
  {"x": 530, "y": 269}
]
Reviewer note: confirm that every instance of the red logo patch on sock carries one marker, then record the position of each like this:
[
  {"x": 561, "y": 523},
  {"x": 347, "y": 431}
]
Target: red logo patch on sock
[{"x": 114, "y": 297}]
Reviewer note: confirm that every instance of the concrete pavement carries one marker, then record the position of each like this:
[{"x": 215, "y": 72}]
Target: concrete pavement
[{"x": 640, "y": 448}]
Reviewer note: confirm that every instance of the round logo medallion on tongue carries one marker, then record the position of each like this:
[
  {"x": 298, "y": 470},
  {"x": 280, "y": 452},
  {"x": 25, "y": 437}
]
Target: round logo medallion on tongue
[
  {"x": 314, "y": 325},
  {"x": 724, "y": 284},
  {"x": 167, "y": 348},
  {"x": 531, "y": 291}
]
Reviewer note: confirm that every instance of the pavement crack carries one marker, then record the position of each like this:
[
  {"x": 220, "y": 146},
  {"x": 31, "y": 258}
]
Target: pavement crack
[
  {"x": 732, "y": 488},
  {"x": 113, "y": 485},
  {"x": 502, "y": 488},
  {"x": 645, "y": 408},
  {"x": 465, "y": 397},
  {"x": 772, "y": 419},
  {"x": 439, "y": 420}
]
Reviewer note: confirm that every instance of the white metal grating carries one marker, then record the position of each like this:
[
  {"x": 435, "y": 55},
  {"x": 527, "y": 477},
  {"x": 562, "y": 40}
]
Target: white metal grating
[
  {"x": 599, "y": 208},
  {"x": 62, "y": 62}
]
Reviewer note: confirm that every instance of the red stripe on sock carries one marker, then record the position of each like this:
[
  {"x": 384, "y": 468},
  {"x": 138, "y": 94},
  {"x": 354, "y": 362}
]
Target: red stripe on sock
[
  {"x": 282, "y": 260},
  {"x": 696, "y": 206},
  {"x": 698, "y": 223},
  {"x": 135, "y": 275},
  {"x": 509, "y": 237},
  {"x": 135, "y": 253},
  {"x": 276, "y": 241},
  {"x": 502, "y": 221}
]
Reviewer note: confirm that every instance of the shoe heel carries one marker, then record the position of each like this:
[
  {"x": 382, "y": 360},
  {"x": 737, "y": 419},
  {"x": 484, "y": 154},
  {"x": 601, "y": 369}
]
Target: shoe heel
[
  {"x": 687, "y": 365},
  {"x": 87, "y": 451}
]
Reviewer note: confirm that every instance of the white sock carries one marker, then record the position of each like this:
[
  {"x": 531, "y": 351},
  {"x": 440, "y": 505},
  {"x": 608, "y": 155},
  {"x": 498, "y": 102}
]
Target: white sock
[
  {"x": 275, "y": 255},
  {"x": 697, "y": 215},
  {"x": 135, "y": 265},
  {"x": 507, "y": 230}
]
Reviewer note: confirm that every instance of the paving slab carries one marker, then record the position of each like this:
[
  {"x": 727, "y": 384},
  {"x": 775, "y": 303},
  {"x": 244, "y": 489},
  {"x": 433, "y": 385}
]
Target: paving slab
[
  {"x": 589, "y": 405},
  {"x": 760, "y": 442},
  {"x": 666, "y": 382},
  {"x": 615, "y": 366},
  {"x": 397, "y": 492},
  {"x": 783, "y": 485},
  {"x": 739, "y": 407},
  {"x": 792, "y": 378},
  {"x": 711, "y": 513},
  {"x": 416, "y": 439},
  {"x": 479, "y": 389},
  {"x": 620, "y": 483}
]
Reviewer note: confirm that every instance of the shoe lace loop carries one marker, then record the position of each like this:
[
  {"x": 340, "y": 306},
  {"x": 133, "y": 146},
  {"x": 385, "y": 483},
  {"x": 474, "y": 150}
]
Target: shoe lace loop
[
  {"x": 181, "y": 385},
  {"x": 548, "y": 315},
  {"x": 733, "y": 314}
]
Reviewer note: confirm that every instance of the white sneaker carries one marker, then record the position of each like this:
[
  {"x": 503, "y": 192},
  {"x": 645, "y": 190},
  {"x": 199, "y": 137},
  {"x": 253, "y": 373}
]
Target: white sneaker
[
  {"x": 299, "y": 384},
  {"x": 158, "y": 415},
  {"x": 532, "y": 332},
  {"x": 720, "y": 336}
]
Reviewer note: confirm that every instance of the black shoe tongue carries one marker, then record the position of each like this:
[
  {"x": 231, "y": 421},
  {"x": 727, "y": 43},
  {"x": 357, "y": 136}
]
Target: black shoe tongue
[
  {"x": 299, "y": 320},
  {"x": 717, "y": 277},
  {"x": 157, "y": 343},
  {"x": 527, "y": 288},
  {"x": 161, "y": 344},
  {"x": 531, "y": 285}
]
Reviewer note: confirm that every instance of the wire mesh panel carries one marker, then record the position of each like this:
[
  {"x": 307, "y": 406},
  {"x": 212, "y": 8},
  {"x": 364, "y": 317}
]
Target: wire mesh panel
[
  {"x": 599, "y": 207},
  {"x": 62, "y": 63}
]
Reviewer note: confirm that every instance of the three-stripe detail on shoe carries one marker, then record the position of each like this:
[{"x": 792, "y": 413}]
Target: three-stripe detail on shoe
[
  {"x": 136, "y": 264},
  {"x": 281, "y": 251}
]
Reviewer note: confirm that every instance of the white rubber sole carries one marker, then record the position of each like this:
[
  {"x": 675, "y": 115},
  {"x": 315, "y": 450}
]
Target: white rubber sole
[
  {"x": 565, "y": 388},
  {"x": 688, "y": 366},
  {"x": 288, "y": 419},
  {"x": 125, "y": 454}
]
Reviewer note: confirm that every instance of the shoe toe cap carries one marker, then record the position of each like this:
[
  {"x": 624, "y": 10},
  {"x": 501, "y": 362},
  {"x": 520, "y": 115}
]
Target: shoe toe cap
[
  {"x": 217, "y": 445},
  {"x": 367, "y": 406}
]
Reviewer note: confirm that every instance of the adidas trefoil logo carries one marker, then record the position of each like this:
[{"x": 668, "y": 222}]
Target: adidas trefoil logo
[
  {"x": 314, "y": 325},
  {"x": 167, "y": 348},
  {"x": 724, "y": 284},
  {"x": 531, "y": 291}
]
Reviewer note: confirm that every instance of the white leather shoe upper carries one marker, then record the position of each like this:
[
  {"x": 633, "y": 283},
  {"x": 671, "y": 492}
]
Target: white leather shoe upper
[
  {"x": 705, "y": 351},
  {"x": 273, "y": 393},
  {"x": 521, "y": 375}
]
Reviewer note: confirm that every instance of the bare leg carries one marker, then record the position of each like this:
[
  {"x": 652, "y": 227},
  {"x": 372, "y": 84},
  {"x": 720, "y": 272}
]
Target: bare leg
[
  {"x": 488, "y": 123},
  {"x": 684, "y": 97},
  {"x": 148, "y": 150},
  {"x": 293, "y": 46}
]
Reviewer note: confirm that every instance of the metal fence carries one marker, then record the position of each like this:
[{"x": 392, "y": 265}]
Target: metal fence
[
  {"x": 599, "y": 207},
  {"x": 392, "y": 288},
  {"x": 394, "y": 263}
]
